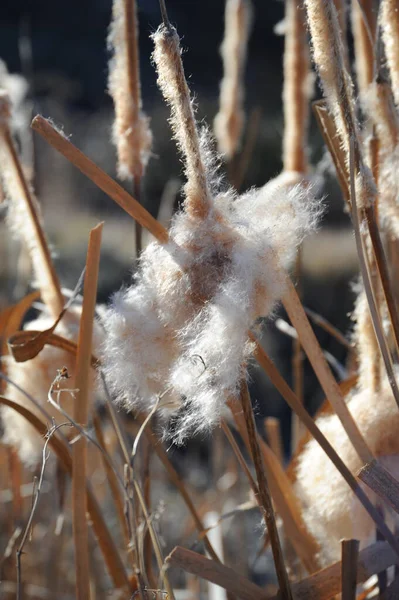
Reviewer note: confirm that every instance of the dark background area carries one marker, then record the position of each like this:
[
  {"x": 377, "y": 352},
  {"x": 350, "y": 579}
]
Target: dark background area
[{"x": 60, "y": 47}]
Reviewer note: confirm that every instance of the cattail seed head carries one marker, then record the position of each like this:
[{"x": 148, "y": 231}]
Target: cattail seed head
[
  {"x": 131, "y": 132},
  {"x": 390, "y": 36},
  {"x": 330, "y": 509},
  {"x": 181, "y": 329},
  {"x": 172, "y": 82},
  {"x": 229, "y": 121}
]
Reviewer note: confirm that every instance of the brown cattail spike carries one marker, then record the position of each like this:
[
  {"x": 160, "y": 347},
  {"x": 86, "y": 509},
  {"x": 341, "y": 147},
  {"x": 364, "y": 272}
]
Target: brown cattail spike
[
  {"x": 229, "y": 121},
  {"x": 390, "y": 35},
  {"x": 172, "y": 82},
  {"x": 131, "y": 133},
  {"x": 297, "y": 89}
]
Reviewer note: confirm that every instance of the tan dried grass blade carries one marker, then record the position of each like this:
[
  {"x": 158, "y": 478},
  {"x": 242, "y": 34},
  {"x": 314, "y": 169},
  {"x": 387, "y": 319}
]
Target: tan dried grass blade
[
  {"x": 316, "y": 357},
  {"x": 101, "y": 179},
  {"x": 284, "y": 499},
  {"x": 24, "y": 345},
  {"x": 106, "y": 543},
  {"x": 381, "y": 482},
  {"x": 81, "y": 413},
  {"x": 272, "y": 428},
  {"x": 208, "y": 569}
]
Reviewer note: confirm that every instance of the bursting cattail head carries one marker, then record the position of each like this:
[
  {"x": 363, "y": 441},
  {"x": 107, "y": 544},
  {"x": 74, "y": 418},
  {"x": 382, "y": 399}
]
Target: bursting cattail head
[
  {"x": 329, "y": 516},
  {"x": 180, "y": 332},
  {"x": 131, "y": 132},
  {"x": 229, "y": 121}
]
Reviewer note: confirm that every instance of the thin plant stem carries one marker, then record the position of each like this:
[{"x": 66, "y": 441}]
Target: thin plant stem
[{"x": 264, "y": 495}]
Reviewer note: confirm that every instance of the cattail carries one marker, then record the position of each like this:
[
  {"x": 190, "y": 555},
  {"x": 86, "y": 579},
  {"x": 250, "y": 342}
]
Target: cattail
[
  {"x": 23, "y": 216},
  {"x": 171, "y": 80},
  {"x": 330, "y": 509},
  {"x": 364, "y": 24},
  {"x": 390, "y": 36},
  {"x": 179, "y": 334},
  {"x": 229, "y": 121},
  {"x": 329, "y": 57},
  {"x": 297, "y": 89},
  {"x": 131, "y": 133}
]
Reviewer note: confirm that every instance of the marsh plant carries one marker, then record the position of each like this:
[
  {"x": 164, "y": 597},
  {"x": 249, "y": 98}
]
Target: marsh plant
[{"x": 100, "y": 395}]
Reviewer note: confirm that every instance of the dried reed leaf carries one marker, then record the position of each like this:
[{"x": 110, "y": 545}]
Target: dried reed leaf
[
  {"x": 284, "y": 499},
  {"x": 101, "y": 179},
  {"x": 208, "y": 569},
  {"x": 81, "y": 414},
  {"x": 272, "y": 428},
  {"x": 24, "y": 346},
  {"x": 12, "y": 317}
]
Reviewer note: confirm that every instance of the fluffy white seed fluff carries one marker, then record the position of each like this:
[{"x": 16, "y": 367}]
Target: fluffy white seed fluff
[
  {"x": 182, "y": 328},
  {"x": 229, "y": 121},
  {"x": 35, "y": 377},
  {"x": 330, "y": 509},
  {"x": 131, "y": 132}
]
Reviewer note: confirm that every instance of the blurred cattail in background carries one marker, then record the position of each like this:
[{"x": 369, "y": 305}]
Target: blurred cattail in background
[{"x": 229, "y": 122}]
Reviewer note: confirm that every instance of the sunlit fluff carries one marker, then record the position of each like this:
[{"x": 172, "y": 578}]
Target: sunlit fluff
[{"x": 182, "y": 327}]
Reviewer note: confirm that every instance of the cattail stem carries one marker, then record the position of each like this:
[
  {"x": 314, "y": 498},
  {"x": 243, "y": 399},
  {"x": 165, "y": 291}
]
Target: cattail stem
[
  {"x": 296, "y": 89},
  {"x": 264, "y": 495},
  {"x": 34, "y": 235}
]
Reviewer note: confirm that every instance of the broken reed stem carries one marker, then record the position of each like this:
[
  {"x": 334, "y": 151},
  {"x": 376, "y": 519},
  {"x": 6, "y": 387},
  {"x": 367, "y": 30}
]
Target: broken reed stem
[
  {"x": 272, "y": 428},
  {"x": 381, "y": 482},
  {"x": 349, "y": 558},
  {"x": 43, "y": 264},
  {"x": 296, "y": 89},
  {"x": 289, "y": 396},
  {"x": 316, "y": 357},
  {"x": 219, "y": 574},
  {"x": 284, "y": 499},
  {"x": 328, "y": 327},
  {"x": 81, "y": 412},
  {"x": 264, "y": 494},
  {"x": 101, "y": 179}
]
